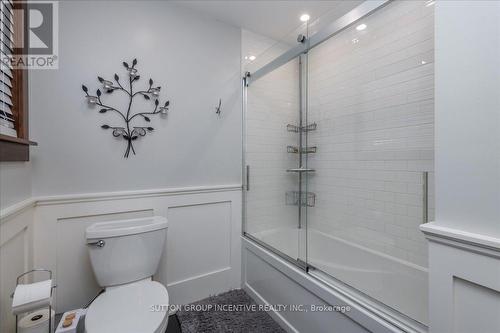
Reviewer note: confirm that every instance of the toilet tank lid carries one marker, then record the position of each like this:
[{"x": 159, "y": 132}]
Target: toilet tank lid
[{"x": 126, "y": 227}]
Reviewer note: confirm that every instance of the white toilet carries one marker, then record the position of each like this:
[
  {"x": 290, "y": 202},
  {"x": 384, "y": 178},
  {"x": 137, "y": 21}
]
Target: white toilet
[{"x": 124, "y": 255}]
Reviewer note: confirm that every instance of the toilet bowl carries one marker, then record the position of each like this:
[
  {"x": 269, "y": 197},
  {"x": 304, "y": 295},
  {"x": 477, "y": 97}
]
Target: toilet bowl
[
  {"x": 124, "y": 256},
  {"x": 133, "y": 308}
]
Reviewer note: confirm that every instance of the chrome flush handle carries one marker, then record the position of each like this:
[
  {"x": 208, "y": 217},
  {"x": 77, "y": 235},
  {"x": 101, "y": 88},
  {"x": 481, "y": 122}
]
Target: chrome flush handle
[{"x": 99, "y": 243}]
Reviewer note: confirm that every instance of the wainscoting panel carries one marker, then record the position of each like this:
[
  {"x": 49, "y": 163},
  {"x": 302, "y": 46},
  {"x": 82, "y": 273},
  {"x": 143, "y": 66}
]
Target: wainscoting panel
[
  {"x": 207, "y": 249},
  {"x": 16, "y": 254},
  {"x": 469, "y": 317},
  {"x": 464, "y": 280},
  {"x": 203, "y": 251}
]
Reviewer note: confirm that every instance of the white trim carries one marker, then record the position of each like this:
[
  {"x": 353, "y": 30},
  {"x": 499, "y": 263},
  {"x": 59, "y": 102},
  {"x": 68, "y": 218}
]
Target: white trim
[
  {"x": 88, "y": 197},
  {"x": 16, "y": 208},
  {"x": 191, "y": 278},
  {"x": 85, "y": 197},
  {"x": 470, "y": 241}
]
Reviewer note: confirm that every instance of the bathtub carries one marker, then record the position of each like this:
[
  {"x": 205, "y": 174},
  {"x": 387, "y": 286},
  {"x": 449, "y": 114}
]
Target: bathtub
[{"x": 386, "y": 282}]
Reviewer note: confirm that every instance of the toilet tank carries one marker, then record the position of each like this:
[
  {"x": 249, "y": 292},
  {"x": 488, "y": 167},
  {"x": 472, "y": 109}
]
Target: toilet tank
[{"x": 124, "y": 251}]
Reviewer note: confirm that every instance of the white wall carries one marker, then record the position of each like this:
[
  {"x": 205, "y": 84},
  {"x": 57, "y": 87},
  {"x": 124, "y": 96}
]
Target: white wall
[
  {"x": 468, "y": 116},
  {"x": 188, "y": 170},
  {"x": 15, "y": 182},
  {"x": 464, "y": 241},
  {"x": 196, "y": 60}
]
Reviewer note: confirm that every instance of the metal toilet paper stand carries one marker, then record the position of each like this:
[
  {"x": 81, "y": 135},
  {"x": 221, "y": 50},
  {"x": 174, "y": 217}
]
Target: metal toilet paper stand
[{"x": 49, "y": 272}]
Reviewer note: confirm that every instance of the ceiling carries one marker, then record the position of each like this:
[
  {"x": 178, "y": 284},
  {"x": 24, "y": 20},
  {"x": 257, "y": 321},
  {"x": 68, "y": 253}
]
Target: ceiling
[{"x": 272, "y": 18}]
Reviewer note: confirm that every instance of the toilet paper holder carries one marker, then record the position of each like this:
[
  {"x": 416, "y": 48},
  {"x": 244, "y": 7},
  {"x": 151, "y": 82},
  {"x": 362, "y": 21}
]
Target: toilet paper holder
[{"x": 36, "y": 270}]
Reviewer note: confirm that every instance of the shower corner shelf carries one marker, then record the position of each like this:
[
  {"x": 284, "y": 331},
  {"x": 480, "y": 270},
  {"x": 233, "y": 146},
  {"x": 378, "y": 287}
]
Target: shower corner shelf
[
  {"x": 300, "y": 170},
  {"x": 305, "y": 150},
  {"x": 296, "y": 198},
  {"x": 297, "y": 129}
]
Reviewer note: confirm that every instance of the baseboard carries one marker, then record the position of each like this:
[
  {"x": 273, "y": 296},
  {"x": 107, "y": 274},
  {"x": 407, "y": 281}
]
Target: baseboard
[{"x": 201, "y": 286}]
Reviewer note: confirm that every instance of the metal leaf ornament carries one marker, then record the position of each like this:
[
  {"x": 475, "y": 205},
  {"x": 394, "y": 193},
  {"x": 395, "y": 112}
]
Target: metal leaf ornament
[{"x": 128, "y": 131}]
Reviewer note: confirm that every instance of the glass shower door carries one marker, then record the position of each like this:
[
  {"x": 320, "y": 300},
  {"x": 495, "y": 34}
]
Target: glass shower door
[
  {"x": 272, "y": 159},
  {"x": 371, "y": 93}
]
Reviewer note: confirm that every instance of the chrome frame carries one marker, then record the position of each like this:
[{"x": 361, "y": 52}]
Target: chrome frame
[
  {"x": 297, "y": 262},
  {"x": 51, "y": 293},
  {"x": 245, "y": 174},
  {"x": 361, "y": 11}
]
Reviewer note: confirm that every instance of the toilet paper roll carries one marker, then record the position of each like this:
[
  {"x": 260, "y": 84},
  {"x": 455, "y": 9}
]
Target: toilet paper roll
[
  {"x": 36, "y": 322},
  {"x": 32, "y": 296}
]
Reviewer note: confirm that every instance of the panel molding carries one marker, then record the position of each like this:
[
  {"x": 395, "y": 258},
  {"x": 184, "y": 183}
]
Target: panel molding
[
  {"x": 16, "y": 208},
  {"x": 170, "y": 191},
  {"x": 16, "y": 257},
  {"x": 455, "y": 256}
]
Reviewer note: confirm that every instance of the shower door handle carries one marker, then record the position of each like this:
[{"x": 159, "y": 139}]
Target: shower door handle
[
  {"x": 425, "y": 196},
  {"x": 247, "y": 174}
]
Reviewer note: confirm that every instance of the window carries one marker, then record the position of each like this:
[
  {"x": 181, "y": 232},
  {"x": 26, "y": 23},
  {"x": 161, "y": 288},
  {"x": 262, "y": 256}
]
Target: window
[{"x": 14, "y": 136}]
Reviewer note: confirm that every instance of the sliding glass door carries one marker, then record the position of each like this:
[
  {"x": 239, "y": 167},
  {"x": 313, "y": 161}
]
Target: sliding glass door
[
  {"x": 271, "y": 146},
  {"x": 340, "y": 150},
  {"x": 371, "y": 94}
]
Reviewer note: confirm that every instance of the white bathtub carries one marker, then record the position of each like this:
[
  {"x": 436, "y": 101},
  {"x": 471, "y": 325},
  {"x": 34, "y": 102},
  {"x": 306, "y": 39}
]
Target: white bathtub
[{"x": 400, "y": 285}]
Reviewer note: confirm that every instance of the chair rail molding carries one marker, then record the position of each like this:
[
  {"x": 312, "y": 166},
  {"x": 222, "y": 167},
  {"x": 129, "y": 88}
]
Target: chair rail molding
[
  {"x": 462, "y": 239},
  {"x": 6, "y": 212}
]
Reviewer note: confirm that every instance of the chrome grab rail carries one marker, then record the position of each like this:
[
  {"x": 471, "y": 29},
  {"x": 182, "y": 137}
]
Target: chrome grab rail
[{"x": 300, "y": 170}]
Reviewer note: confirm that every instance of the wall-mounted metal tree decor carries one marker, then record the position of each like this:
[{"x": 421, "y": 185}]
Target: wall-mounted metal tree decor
[{"x": 128, "y": 132}]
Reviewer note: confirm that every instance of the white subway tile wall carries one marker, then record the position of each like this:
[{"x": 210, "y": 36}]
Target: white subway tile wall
[{"x": 371, "y": 92}]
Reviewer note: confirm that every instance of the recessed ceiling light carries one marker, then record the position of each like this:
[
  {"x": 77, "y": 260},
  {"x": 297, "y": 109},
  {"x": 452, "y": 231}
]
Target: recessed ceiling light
[
  {"x": 305, "y": 17},
  {"x": 361, "y": 27},
  {"x": 252, "y": 58},
  {"x": 355, "y": 41},
  {"x": 423, "y": 62}
]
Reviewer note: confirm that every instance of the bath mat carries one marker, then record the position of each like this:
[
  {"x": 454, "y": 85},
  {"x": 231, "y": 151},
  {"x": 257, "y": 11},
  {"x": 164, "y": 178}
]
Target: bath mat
[{"x": 219, "y": 321}]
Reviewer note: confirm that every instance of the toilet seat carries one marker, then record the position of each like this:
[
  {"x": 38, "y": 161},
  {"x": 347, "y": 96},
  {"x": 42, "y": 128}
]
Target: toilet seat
[{"x": 130, "y": 308}]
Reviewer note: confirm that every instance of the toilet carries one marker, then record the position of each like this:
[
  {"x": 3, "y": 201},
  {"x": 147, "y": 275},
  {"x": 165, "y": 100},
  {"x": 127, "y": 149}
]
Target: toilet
[{"x": 124, "y": 256}]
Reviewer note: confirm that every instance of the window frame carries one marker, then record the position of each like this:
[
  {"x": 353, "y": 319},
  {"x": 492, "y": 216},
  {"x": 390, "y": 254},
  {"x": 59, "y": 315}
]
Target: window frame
[{"x": 17, "y": 148}]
